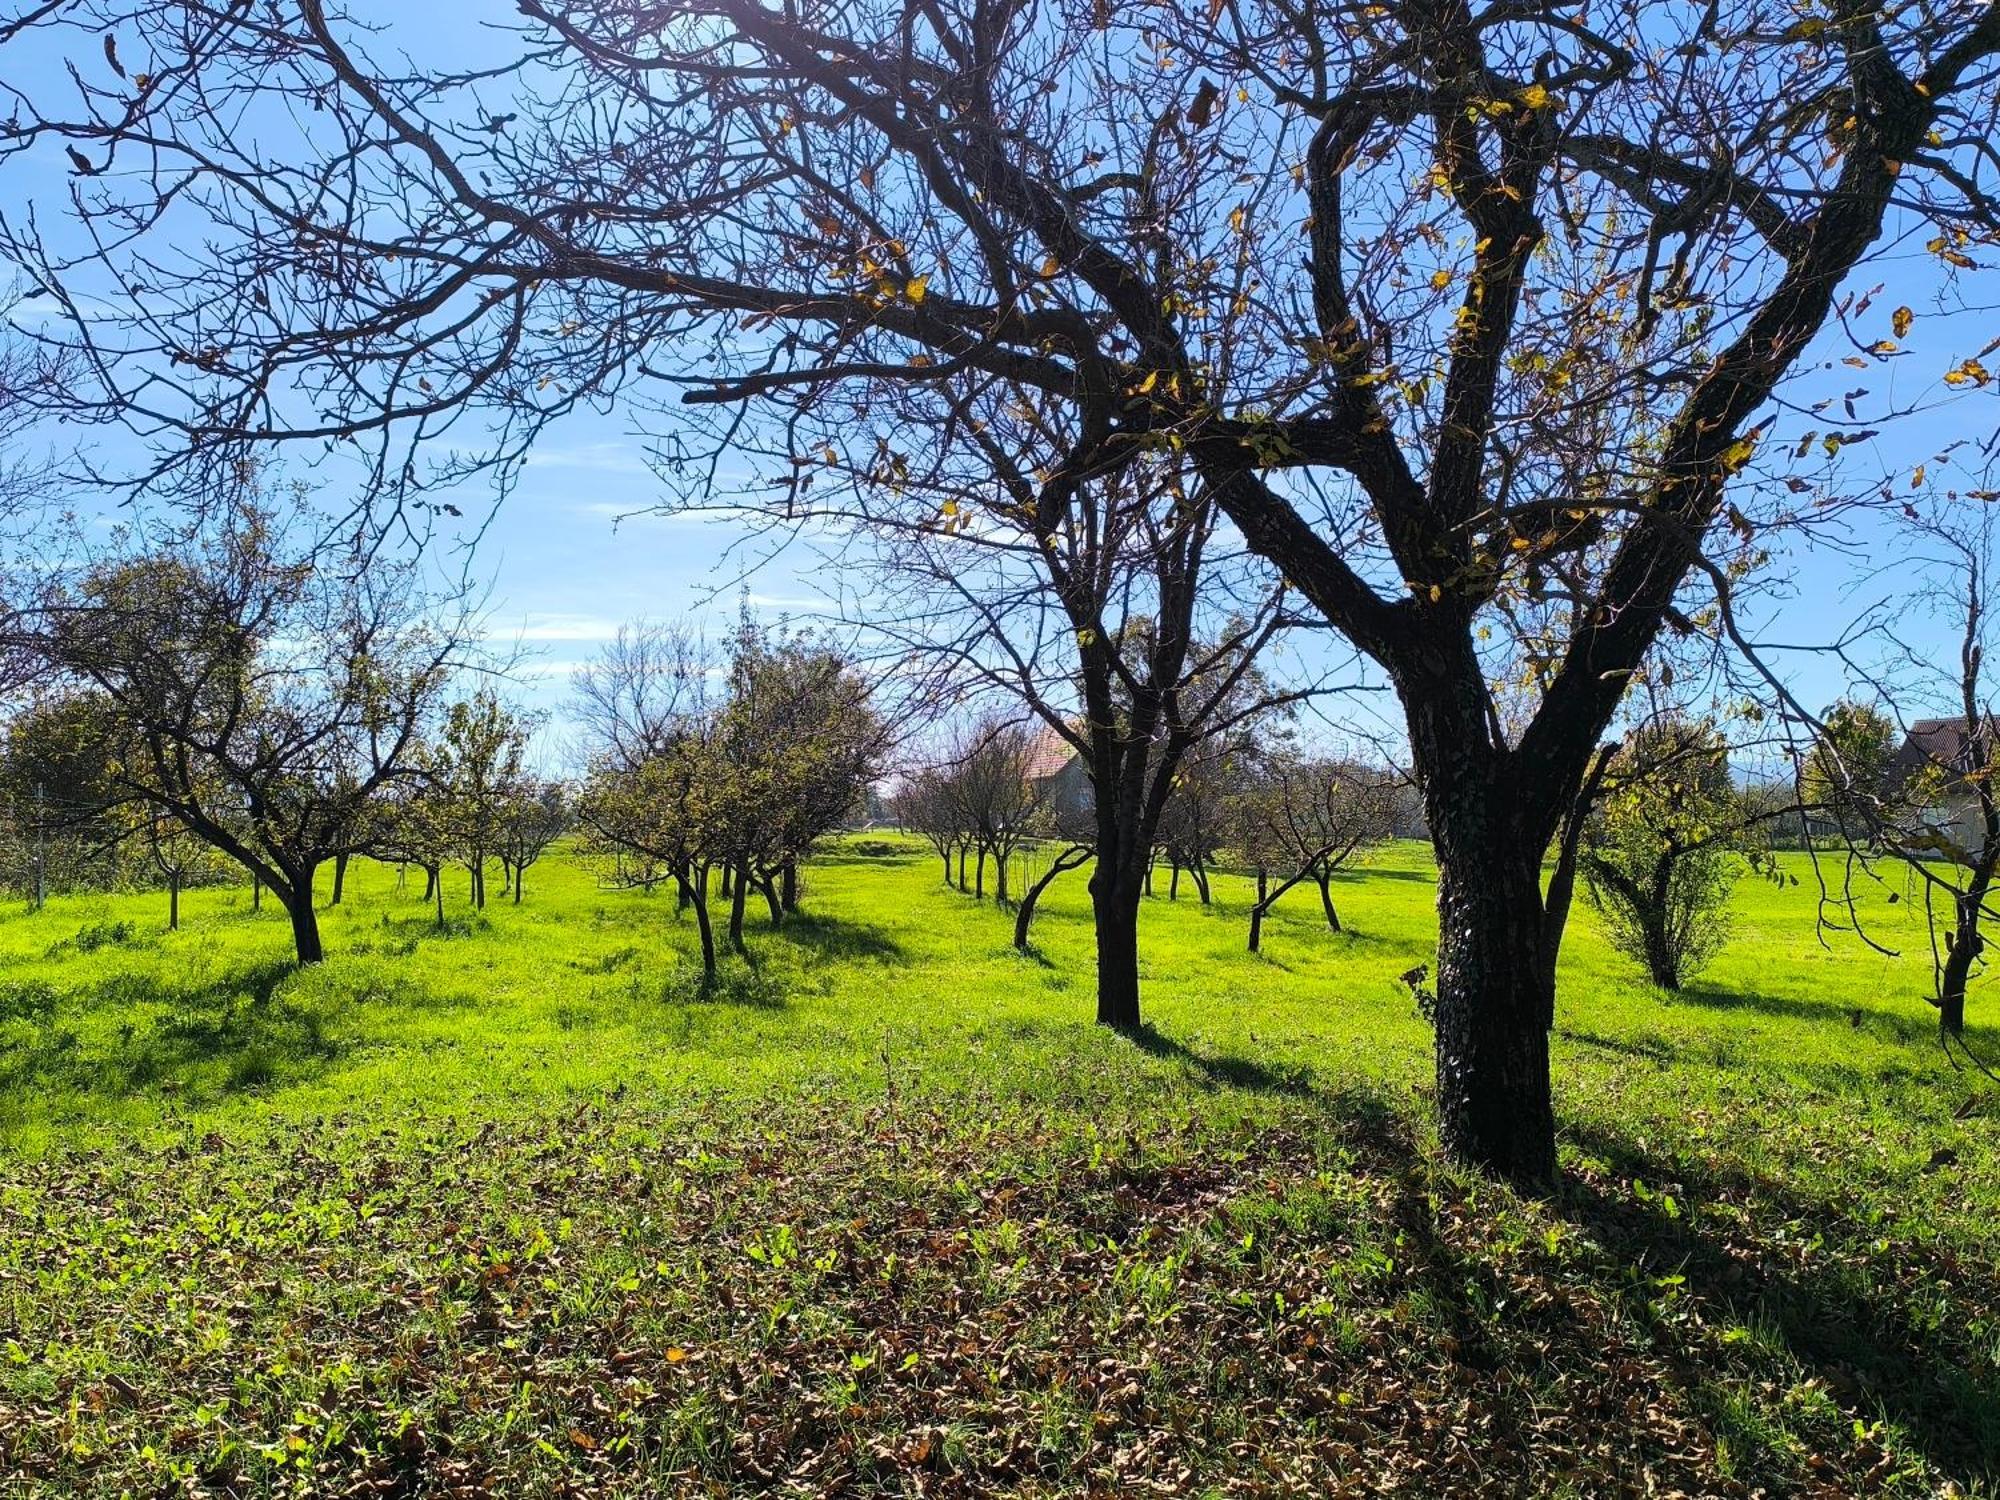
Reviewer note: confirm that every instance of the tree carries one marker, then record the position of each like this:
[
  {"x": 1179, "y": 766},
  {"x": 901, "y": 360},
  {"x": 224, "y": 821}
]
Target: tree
[
  {"x": 1847, "y": 772},
  {"x": 1557, "y": 266},
  {"x": 654, "y": 785},
  {"x": 1663, "y": 848},
  {"x": 537, "y": 813},
  {"x": 263, "y": 691},
  {"x": 476, "y": 767}
]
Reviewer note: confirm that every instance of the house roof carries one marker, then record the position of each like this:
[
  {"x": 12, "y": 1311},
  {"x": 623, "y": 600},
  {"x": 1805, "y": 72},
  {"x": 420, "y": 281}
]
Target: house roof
[
  {"x": 1049, "y": 754},
  {"x": 1942, "y": 742}
]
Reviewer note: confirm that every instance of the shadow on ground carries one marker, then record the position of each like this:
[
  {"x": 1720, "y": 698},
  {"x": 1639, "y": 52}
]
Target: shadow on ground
[
  {"x": 1225, "y": 1069},
  {"x": 230, "y": 1034}
]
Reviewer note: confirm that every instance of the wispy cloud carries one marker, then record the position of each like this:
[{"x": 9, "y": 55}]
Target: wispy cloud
[
  {"x": 549, "y": 626},
  {"x": 603, "y": 458}
]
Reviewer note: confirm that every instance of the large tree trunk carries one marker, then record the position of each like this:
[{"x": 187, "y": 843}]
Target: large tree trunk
[
  {"x": 1494, "y": 996},
  {"x": 1114, "y": 901},
  {"x": 788, "y": 885}
]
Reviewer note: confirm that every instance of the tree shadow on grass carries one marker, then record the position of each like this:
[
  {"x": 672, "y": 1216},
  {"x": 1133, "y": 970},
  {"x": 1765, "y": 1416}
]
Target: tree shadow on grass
[
  {"x": 1650, "y": 1050},
  {"x": 1901, "y": 1028},
  {"x": 228, "y": 1035},
  {"x": 1838, "y": 1312},
  {"x": 1223, "y": 1069},
  {"x": 835, "y": 938}
]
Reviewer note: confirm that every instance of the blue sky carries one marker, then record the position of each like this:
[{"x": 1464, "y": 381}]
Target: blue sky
[{"x": 571, "y": 552}]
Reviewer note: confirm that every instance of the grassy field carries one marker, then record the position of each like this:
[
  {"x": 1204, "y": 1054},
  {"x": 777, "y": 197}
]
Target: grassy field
[{"x": 516, "y": 1208}]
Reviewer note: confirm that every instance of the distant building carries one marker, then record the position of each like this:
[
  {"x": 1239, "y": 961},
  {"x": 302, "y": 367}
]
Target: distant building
[
  {"x": 1059, "y": 776},
  {"x": 1949, "y": 746}
]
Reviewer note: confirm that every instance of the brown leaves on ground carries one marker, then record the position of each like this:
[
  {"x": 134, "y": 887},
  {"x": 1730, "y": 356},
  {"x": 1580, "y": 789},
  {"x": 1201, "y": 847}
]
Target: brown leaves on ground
[{"x": 821, "y": 1301}]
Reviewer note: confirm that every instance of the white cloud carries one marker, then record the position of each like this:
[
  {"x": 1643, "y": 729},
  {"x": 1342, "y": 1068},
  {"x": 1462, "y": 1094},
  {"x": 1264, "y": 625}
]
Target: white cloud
[
  {"x": 547, "y": 626},
  {"x": 604, "y": 458}
]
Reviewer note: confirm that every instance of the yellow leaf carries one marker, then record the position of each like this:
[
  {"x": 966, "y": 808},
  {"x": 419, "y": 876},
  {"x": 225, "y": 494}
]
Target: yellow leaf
[
  {"x": 1085, "y": 637},
  {"x": 676, "y": 1355},
  {"x": 1051, "y": 266},
  {"x": 916, "y": 288},
  {"x": 1436, "y": 593},
  {"x": 1917, "y": 479},
  {"x": 951, "y": 507},
  {"x": 1152, "y": 379},
  {"x": 1440, "y": 280},
  {"x": 1969, "y": 372},
  {"x": 1900, "y": 320},
  {"x": 1535, "y": 96}
]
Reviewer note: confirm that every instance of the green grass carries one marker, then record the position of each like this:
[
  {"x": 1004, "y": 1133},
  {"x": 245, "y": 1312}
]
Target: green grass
[{"x": 524, "y": 1208}]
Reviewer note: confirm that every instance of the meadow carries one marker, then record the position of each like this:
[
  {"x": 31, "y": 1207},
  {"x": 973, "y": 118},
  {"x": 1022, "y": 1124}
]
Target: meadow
[{"x": 519, "y": 1207}]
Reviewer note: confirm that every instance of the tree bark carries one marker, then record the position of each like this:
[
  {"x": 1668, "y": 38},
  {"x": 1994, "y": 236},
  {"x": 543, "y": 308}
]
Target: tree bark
[
  {"x": 1325, "y": 878},
  {"x": 696, "y": 896},
  {"x": 430, "y": 881},
  {"x": 173, "y": 903},
  {"x": 737, "y": 891},
  {"x": 769, "y": 887},
  {"x": 788, "y": 885},
  {"x": 979, "y": 876},
  {"x": 1494, "y": 998},
  {"x": 305, "y": 921},
  {"x": 520, "y": 871},
  {"x": 1000, "y": 876},
  {"x": 1257, "y": 911},
  {"x": 256, "y": 892},
  {"x": 1114, "y": 900},
  {"x": 1201, "y": 881},
  {"x": 1174, "y": 880},
  {"x": 339, "y": 878}
]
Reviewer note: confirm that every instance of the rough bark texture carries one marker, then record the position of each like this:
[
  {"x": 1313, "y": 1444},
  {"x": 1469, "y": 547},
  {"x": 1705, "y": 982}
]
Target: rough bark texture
[
  {"x": 305, "y": 925},
  {"x": 1114, "y": 900}
]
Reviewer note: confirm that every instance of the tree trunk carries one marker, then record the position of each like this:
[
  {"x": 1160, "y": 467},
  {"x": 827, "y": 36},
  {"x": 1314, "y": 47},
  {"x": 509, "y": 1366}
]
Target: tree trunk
[
  {"x": 979, "y": 876},
  {"x": 788, "y": 885},
  {"x": 947, "y": 865},
  {"x": 1201, "y": 881},
  {"x": 1000, "y": 876},
  {"x": 1025, "y": 913},
  {"x": 1148, "y": 887},
  {"x": 437, "y": 893},
  {"x": 256, "y": 892},
  {"x": 961, "y": 868},
  {"x": 1325, "y": 878},
  {"x": 1494, "y": 998},
  {"x": 430, "y": 882},
  {"x": 697, "y": 896},
  {"x": 520, "y": 872},
  {"x": 769, "y": 887},
  {"x": 1257, "y": 910},
  {"x": 305, "y": 922},
  {"x": 1174, "y": 880},
  {"x": 737, "y": 891},
  {"x": 1114, "y": 901},
  {"x": 339, "y": 878},
  {"x": 1957, "y": 974},
  {"x": 174, "y": 903}
]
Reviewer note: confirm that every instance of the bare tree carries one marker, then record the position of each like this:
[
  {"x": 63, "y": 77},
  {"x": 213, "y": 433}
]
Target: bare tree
[
  {"x": 1307, "y": 818},
  {"x": 1557, "y": 268}
]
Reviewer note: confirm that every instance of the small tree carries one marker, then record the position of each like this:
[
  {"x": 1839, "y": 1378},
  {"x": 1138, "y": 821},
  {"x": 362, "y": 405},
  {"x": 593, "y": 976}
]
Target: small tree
[
  {"x": 264, "y": 693},
  {"x": 1664, "y": 848},
  {"x": 536, "y": 814},
  {"x": 1304, "y": 818}
]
